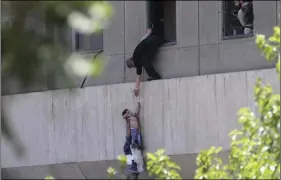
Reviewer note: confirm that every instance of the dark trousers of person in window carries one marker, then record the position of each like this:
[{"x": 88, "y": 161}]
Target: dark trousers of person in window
[{"x": 147, "y": 61}]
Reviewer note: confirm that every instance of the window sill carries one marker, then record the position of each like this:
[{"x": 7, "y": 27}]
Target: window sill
[
  {"x": 171, "y": 43},
  {"x": 237, "y": 37},
  {"x": 168, "y": 46},
  {"x": 89, "y": 52}
]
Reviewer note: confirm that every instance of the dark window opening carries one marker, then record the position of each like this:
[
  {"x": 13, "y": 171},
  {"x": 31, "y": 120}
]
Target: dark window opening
[
  {"x": 238, "y": 18},
  {"x": 88, "y": 43},
  {"x": 162, "y": 19}
]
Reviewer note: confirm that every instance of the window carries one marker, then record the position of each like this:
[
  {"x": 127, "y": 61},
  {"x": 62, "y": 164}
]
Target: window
[
  {"x": 162, "y": 17},
  {"x": 238, "y": 17},
  {"x": 88, "y": 43}
]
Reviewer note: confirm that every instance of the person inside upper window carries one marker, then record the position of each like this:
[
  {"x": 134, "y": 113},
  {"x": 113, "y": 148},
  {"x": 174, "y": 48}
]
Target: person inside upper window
[{"x": 245, "y": 14}]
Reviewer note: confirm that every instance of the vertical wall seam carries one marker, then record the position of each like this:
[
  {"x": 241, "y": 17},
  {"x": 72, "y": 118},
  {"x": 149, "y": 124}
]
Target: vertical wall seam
[
  {"x": 112, "y": 122},
  {"x": 219, "y": 22},
  {"x": 124, "y": 54},
  {"x": 217, "y": 112},
  {"x": 76, "y": 132},
  {"x": 198, "y": 34}
]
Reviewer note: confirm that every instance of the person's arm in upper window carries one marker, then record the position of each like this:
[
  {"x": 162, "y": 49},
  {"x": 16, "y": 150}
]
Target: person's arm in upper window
[
  {"x": 236, "y": 7},
  {"x": 149, "y": 31}
]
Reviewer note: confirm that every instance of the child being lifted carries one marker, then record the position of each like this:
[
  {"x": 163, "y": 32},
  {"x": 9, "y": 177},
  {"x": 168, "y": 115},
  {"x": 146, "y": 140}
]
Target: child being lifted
[{"x": 133, "y": 144}]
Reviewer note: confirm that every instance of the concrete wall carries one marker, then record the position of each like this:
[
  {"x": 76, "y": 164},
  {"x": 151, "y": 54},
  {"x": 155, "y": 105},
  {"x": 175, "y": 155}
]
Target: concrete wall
[
  {"x": 199, "y": 49},
  {"x": 182, "y": 115}
]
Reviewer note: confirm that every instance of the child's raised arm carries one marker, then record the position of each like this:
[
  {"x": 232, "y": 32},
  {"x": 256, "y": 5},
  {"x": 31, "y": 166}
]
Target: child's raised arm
[
  {"x": 138, "y": 115},
  {"x": 138, "y": 109}
]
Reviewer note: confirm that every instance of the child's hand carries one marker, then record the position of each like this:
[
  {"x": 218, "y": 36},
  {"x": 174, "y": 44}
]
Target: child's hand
[{"x": 136, "y": 91}]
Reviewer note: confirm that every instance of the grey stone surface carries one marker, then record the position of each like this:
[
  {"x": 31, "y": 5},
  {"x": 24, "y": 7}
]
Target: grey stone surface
[
  {"x": 121, "y": 173},
  {"x": 112, "y": 73},
  {"x": 135, "y": 23},
  {"x": 227, "y": 90},
  {"x": 209, "y": 59},
  {"x": 34, "y": 115},
  {"x": 187, "y": 23},
  {"x": 241, "y": 56},
  {"x": 264, "y": 22},
  {"x": 65, "y": 112},
  {"x": 10, "y": 85},
  {"x": 182, "y": 115},
  {"x": 180, "y": 62},
  {"x": 187, "y": 162},
  {"x": 98, "y": 169},
  {"x": 94, "y": 170},
  {"x": 58, "y": 171},
  {"x": 209, "y": 22},
  {"x": 114, "y": 35}
]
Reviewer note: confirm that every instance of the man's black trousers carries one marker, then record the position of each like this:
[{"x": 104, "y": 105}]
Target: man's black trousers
[{"x": 147, "y": 65}]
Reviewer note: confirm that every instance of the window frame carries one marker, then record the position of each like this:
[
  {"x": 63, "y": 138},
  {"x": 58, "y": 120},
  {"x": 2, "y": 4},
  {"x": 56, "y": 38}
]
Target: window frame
[
  {"x": 148, "y": 15},
  {"x": 74, "y": 41},
  {"x": 224, "y": 22}
]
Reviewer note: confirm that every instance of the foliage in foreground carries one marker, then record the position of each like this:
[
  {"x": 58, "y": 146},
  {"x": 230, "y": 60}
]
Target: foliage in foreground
[
  {"x": 35, "y": 50},
  {"x": 255, "y": 149},
  {"x": 158, "y": 165}
]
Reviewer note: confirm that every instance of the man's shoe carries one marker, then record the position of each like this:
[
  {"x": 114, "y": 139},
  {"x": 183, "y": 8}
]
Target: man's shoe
[{"x": 153, "y": 78}]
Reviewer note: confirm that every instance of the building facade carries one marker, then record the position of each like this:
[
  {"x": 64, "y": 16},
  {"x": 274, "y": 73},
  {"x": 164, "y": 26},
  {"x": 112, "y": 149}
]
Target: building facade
[{"x": 209, "y": 70}]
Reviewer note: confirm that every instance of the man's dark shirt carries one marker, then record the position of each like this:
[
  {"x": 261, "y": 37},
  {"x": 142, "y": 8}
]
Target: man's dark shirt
[{"x": 145, "y": 51}]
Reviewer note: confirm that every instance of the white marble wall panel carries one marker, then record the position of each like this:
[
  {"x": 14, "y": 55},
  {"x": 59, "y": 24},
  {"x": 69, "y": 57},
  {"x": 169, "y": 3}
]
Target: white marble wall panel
[
  {"x": 30, "y": 117},
  {"x": 153, "y": 115},
  {"x": 182, "y": 115},
  {"x": 65, "y": 113},
  {"x": 88, "y": 126},
  {"x": 231, "y": 96}
]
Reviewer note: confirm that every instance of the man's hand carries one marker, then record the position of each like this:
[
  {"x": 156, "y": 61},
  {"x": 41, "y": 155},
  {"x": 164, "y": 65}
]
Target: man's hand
[{"x": 136, "y": 91}]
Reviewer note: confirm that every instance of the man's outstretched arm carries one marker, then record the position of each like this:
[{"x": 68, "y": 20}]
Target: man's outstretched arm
[{"x": 138, "y": 80}]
